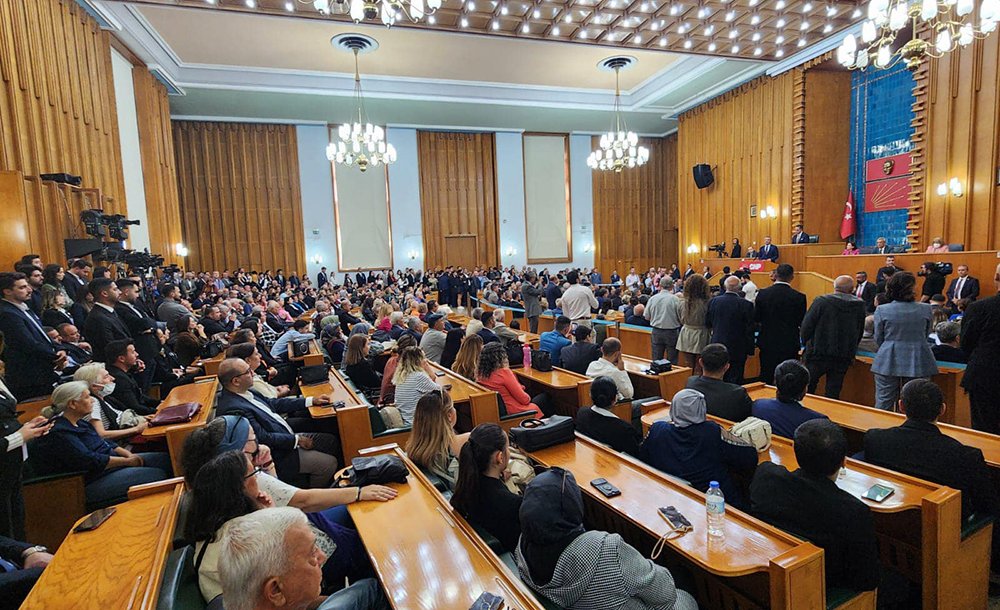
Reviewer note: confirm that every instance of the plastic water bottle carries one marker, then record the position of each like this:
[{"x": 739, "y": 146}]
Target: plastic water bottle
[
  {"x": 715, "y": 508},
  {"x": 526, "y": 350}
]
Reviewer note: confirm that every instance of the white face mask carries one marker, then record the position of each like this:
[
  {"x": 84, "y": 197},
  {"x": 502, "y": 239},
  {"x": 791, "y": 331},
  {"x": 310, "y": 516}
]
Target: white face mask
[{"x": 106, "y": 389}]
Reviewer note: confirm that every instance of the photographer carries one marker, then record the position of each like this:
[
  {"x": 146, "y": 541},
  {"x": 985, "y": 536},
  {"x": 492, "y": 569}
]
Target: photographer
[{"x": 933, "y": 281}]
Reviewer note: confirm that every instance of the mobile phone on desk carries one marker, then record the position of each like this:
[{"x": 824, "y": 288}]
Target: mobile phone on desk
[
  {"x": 606, "y": 488},
  {"x": 878, "y": 492},
  {"x": 675, "y": 518},
  {"x": 95, "y": 519},
  {"x": 439, "y": 373}
]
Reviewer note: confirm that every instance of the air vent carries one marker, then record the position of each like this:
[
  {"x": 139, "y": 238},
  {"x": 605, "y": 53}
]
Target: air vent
[
  {"x": 617, "y": 62},
  {"x": 354, "y": 42}
]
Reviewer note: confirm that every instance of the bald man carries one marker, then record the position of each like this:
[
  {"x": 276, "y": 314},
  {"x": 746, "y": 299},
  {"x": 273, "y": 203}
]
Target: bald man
[
  {"x": 730, "y": 317},
  {"x": 831, "y": 331}
]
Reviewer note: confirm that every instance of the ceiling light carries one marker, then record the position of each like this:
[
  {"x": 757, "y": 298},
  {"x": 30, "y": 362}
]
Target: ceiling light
[
  {"x": 755, "y": 20},
  {"x": 470, "y": 5},
  {"x": 807, "y": 7},
  {"x": 638, "y": 38},
  {"x": 536, "y": 13},
  {"x": 780, "y": 39},
  {"x": 681, "y": 29},
  {"x": 755, "y": 37},
  {"x": 431, "y": 19},
  {"x": 619, "y": 148},
  {"x": 780, "y": 23},
  {"x": 712, "y": 46},
  {"x": 733, "y": 33},
  {"x": 644, "y": 7},
  {"x": 757, "y": 52},
  {"x": 663, "y": 41},
  {"x": 780, "y": 4},
  {"x": 702, "y": 12},
  {"x": 503, "y": 10},
  {"x": 289, "y": 7},
  {"x": 583, "y": 33},
  {"x": 831, "y": 11},
  {"x": 736, "y": 48},
  {"x": 709, "y": 30},
  {"x": 804, "y": 26},
  {"x": 210, "y": 1},
  {"x": 496, "y": 24},
  {"x": 856, "y": 14},
  {"x": 525, "y": 29},
  {"x": 251, "y": 3},
  {"x": 730, "y": 15},
  {"x": 687, "y": 43},
  {"x": 753, "y": 2},
  {"x": 465, "y": 22},
  {"x": 361, "y": 143},
  {"x": 779, "y": 53},
  {"x": 674, "y": 10},
  {"x": 569, "y": 18},
  {"x": 802, "y": 42},
  {"x": 654, "y": 26},
  {"x": 555, "y": 30},
  {"x": 827, "y": 28}
]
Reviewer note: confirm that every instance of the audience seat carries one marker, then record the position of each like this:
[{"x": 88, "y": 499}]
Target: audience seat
[
  {"x": 179, "y": 587},
  {"x": 956, "y": 247},
  {"x": 379, "y": 428},
  {"x": 52, "y": 504},
  {"x": 814, "y": 239}
]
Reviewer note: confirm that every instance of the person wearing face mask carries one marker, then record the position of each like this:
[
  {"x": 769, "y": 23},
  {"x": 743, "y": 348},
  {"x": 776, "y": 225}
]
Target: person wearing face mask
[
  {"x": 73, "y": 445},
  {"x": 111, "y": 421}
]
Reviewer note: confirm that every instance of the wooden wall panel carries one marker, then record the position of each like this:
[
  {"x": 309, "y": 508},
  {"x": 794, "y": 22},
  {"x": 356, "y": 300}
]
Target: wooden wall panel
[
  {"x": 827, "y": 152},
  {"x": 240, "y": 202},
  {"x": 635, "y": 212},
  {"x": 747, "y": 135},
  {"x": 156, "y": 147},
  {"x": 960, "y": 137},
  {"x": 57, "y": 114},
  {"x": 458, "y": 196}
]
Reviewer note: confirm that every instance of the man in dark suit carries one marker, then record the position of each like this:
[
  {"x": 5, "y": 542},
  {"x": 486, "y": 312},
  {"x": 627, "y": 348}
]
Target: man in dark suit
[
  {"x": 142, "y": 327},
  {"x": 344, "y": 315},
  {"x": 530, "y": 295},
  {"x": 779, "y": 310},
  {"x": 730, "y": 317},
  {"x": 444, "y": 288},
  {"x": 321, "y": 278},
  {"x": 865, "y": 291},
  {"x": 487, "y": 334},
  {"x": 213, "y": 322},
  {"x": 885, "y": 272},
  {"x": 26, "y": 564},
  {"x": 31, "y": 358},
  {"x": 768, "y": 252},
  {"x": 881, "y": 247},
  {"x": 360, "y": 278},
  {"x": 799, "y": 236},
  {"x": 70, "y": 340},
  {"x": 121, "y": 359},
  {"x": 35, "y": 280},
  {"x": 297, "y": 455},
  {"x": 76, "y": 277},
  {"x": 578, "y": 356},
  {"x": 103, "y": 325},
  {"x": 963, "y": 287},
  {"x": 808, "y": 504},
  {"x": 831, "y": 331},
  {"x": 723, "y": 399},
  {"x": 552, "y": 292},
  {"x": 981, "y": 343}
]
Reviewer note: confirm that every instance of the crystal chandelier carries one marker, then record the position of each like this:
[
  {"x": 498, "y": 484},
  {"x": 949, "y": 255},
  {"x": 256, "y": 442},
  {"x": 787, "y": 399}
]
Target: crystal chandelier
[
  {"x": 369, "y": 10},
  {"x": 361, "y": 143},
  {"x": 950, "y": 24},
  {"x": 619, "y": 148}
]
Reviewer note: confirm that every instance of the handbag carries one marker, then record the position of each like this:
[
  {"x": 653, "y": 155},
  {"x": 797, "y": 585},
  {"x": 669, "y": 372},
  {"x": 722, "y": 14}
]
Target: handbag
[
  {"x": 521, "y": 472},
  {"x": 374, "y": 470},
  {"x": 176, "y": 414},
  {"x": 212, "y": 349},
  {"x": 754, "y": 431},
  {"x": 535, "y": 434},
  {"x": 660, "y": 366},
  {"x": 515, "y": 353},
  {"x": 311, "y": 375},
  {"x": 541, "y": 360},
  {"x": 300, "y": 347}
]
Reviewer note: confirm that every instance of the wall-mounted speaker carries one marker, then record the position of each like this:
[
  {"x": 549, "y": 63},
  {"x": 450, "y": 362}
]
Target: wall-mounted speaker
[{"x": 703, "y": 176}]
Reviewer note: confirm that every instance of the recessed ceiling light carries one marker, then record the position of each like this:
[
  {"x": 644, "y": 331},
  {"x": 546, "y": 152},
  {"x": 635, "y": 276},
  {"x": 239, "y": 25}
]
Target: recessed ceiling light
[
  {"x": 730, "y": 15},
  {"x": 674, "y": 10},
  {"x": 807, "y": 7},
  {"x": 712, "y": 46},
  {"x": 709, "y": 30},
  {"x": 681, "y": 29},
  {"x": 755, "y": 20},
  {"x": 470, "y": 5},
  {"x": 802, "y": 42},
  {"x": 525, "y": 29},
  {"x": 780, "y": 23},
  {"x": 780, "y": 4},
  {"x": 496, "y": 24},
  {"x": 465, "y": 22},
  {"x": 503, "y": 10},
  {"x": 536, "y": 13},
  {"x": 663, "y": 41},
  {"x": 779, "y": 53},
  {"x": 583, "y": 33},
  {"x": 210, "y": 1},
  {"x": 431, "y": 19},
  {"x": 289, "y": 7},
  {"x": 753, "y": 2},
  {"x": 780, "y": 39},
  {"x": 702, "y": 12},
  {"x": 644, "y": 7},
  {"x": 251, "y": 3},
  {"x": 856, "y": 14},
  {"x": 555, "y": 30},
  {"x": 638, "y": 39},
  {"x": 687, "y": 44},
  {"x": 831, "y": 11},
  {"x": 827, "y": 28},
  {"x": 755, "y": 37},
  {"x": 757, "y": 52},
  {"x": 654, "y": 26},
  {"x": 804, "y": 26},
  {"x": 736, "y": 48},
  {"x": 733, "y": 33}
]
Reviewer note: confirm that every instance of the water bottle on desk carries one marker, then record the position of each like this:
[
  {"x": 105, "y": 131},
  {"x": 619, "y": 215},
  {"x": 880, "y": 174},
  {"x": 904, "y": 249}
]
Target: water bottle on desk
[
  {"x": 526, "y": 350},
  {"x": 715, "y": 508}
]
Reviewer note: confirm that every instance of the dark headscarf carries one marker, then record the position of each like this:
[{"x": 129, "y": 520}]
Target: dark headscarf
[
  {"x": 452, "y": 343},
  {"x": 551, "y": 518}
]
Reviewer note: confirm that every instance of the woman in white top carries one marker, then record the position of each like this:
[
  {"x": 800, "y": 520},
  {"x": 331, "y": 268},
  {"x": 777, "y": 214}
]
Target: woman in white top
[
  {"x": 412, "y": 381},
  {"x": 109, "y": 420}
]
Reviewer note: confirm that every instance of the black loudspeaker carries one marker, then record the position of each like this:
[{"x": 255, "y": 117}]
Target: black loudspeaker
[{"x": 703, "y": 175}]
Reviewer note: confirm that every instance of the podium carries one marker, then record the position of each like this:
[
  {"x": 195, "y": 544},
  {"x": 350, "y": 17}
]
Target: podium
[{"x": 752, "y": 264}]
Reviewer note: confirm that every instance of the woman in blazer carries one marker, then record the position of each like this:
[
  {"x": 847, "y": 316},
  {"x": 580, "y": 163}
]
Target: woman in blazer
[
  {"x": 13, "y": 436},
  {"x": 901, "y": 329}
]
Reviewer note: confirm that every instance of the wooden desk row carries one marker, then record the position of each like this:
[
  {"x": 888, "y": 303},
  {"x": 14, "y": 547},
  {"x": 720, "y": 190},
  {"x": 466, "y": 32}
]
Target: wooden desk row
[
  {"x": 203, "y": 392},
  {"x": 532, "y": 339}
]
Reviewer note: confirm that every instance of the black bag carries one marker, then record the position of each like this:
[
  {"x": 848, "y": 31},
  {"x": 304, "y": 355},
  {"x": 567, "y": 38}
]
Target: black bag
[
  {"x": 310, "y": 375},
  {"x": 535, "y": 434},
  {"x": 515, "y": 353},
  {"x": 300, "y": 347},
  {"x": 541, "y": 360},
  {"x": 660, "y": 366},
  {"x": 374, "y": 470},
  {"x": 212, "y": 349}
]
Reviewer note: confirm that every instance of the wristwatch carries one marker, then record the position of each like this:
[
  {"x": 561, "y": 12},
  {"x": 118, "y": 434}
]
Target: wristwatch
[{"x": 28, "y": 552}]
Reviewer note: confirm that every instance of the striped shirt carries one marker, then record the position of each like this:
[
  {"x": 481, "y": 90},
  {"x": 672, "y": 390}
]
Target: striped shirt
[{"x": 412, "y": 390}]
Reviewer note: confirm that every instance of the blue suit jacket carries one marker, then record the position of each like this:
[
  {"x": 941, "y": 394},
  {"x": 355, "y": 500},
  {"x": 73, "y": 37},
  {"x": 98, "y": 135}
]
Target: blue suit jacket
[
  {"x": 29, "y": 353},
  {"x": 770, "y": 255},
  {"x": 269, "y": 432}
]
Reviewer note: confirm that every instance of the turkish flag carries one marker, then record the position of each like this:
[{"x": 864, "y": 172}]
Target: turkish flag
[{"x": 848, "y": 225}]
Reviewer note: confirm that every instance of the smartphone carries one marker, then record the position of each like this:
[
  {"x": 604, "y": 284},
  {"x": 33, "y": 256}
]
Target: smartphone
[
  {"x": 439, "y": 373},
  {"x": 447, "y": 386},
  {"x": 340, "y": 404},
  {"x": 878, "y": 493},
  {"x": 675, "y": 518},
  {"x": 609, "y": 490},
  {"x": 95, "y": 519},
  {"x": 487, "y": 601}
]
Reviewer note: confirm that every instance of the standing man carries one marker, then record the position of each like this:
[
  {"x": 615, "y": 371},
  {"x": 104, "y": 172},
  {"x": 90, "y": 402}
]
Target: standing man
[
  {"x": 831, "y": 331},
  {"x": 981, "y": 343},
  {"x": 35, "y": 280},
  {"x": 552, "y": 292},
  {"x": 531, "y": 295},
  {"x": 578, "y": 300},
  {"x": 31, "y": 358},
  {"x": 865, "y": 291},
  {"x": 730, "y": 317},
  {"x": 768, "y": 252},
  {"x": 632, "y": 279},
  {"x": 963, "y": 287},
  {"x": 321, "y": 278},
  {"x": 103, "y": 325},
  {"x": 664, "y": 314},
  {"x": 799, "y": 236},
  {"x": 143, "y": 329},
  {"x": 76, "y": 277},
  {"x": 886, "y": 271},
  {"x": 779, "y": 310}
]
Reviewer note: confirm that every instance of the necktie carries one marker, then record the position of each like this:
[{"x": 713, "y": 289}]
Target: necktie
[
  {"x": 38, "y": 325},
  {"x": 958, "y": 289},
  {"x": 861, "y": 289}
]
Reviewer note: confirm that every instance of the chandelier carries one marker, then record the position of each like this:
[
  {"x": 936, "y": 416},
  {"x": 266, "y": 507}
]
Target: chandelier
[
  {"x": 361, "y": 143},
  {"x": 619, "y": 148},
  {"x": 949, "y": 23},
  {"x": 369, "y": 10}
]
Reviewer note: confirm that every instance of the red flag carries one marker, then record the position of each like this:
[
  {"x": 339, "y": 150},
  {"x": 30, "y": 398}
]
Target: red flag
[{"x": 848, "y": 225}]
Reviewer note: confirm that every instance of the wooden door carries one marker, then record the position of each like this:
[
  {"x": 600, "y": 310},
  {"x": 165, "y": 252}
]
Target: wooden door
[{"x": 461, "y": 250}]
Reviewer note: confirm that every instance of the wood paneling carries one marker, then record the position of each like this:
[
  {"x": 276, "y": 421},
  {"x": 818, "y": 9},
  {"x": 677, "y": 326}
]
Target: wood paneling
[
  {"x": 827, "y": 151},
  {"x": 635, "y": 212},
  {"x": 239, "y": 195},
  {"x": 458, "y": 195},
  {"x": 747, "y": 136},
  {"x": 982, "y": 265},
  {"x": 57, "y": 114},
  {"x": 156, "y": 147},
  {"x": 959, "y": 137}
]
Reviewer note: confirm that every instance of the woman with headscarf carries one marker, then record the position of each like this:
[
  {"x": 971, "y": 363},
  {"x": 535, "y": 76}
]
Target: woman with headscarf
[
  {"x": 697, "y": 450},
  {"x": 585, "y": 570},
  {"x": 452, "y": 344}
]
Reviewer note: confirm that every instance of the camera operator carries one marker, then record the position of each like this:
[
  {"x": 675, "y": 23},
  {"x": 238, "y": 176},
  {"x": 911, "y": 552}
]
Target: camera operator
[{"x": 933, "y": 281}]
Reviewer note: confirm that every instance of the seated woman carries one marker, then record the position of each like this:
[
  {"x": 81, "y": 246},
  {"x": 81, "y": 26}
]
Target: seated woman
[
  {"x": 109, "y": 420},
  {"x": 494, "y": 374},
  {"x": 467, "y": 361},
  {"x": 413, "y": 378},
  {"x": 248, "y": 352},
  {"x": 574, "y": 568},
  {"x": 170, "y": 371},
  {"x": 850, "y": 249},
  {"x": 480, "y": 493},
  {"x": 73, "y": 445},
  {"x": 433, "y": 444},
  {"x": 785, "y": 413},
  {"x": 600, "y": 424},
  {"x": 334, "y": 342},
  {"x": 359, "y": 367},
  {"x": 54, "y": 309},
  {"x": 696, "y": 450},
  {"x": 452, "y": 345},
  {"x": 387, "y": 394}
]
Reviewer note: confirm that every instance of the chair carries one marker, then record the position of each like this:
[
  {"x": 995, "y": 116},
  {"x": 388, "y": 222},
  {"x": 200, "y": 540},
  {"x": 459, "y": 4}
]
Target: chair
[
  {"x": 956, "y": 247},
  {"x": 814, "y": 239},
  {"x": 52, "y": 504},
  {"x": 179, "y": 588}
]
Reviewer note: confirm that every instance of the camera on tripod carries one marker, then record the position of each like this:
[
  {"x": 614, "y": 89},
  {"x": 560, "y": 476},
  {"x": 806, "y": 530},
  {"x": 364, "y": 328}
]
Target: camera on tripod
[
  {"x": 719, "y": 249},
  {"x": 99, "y": 224}
]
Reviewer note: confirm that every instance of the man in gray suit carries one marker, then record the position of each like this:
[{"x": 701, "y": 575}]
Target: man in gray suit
[
  {"x": 530, "y": 294},
  {"x": 171, "y": 309}
]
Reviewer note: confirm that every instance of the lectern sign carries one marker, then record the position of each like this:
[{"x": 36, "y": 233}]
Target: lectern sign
[{"x": 887, "y": 183}]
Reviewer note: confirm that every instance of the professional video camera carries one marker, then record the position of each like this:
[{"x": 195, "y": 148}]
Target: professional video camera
[
  {"x": 719, "y": 249},
  {"x": 944, "y": 268},
  {"x": 117, "y": 226},
  {"x": 99, "y": 224},
  {"x": 141, "y": 261}
]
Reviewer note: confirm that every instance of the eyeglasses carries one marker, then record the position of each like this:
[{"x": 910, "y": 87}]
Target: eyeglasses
[
  {"x": 254, "y": 472},
  {"x": 256, "y": 451}
]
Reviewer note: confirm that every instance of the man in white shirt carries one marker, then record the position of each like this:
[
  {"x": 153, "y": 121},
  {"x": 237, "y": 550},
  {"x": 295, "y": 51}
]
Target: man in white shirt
[
  {"x": 632, "y": 279},
  {"x": 749, "y": 288},
  {"x": 578, "y": 300},
  {"x": 663, "y": 312},
  {"x": 612, "y": 365}
]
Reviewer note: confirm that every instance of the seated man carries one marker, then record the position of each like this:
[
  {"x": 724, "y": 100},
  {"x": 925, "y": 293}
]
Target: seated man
[
  {"x": 501, "y": 329},
  {"x": 270, "y": 559},
  {"x": 578, "y": 356},
  {"x": 121, "y": 358},
  {"x": 808, "y": 503},
  {"x": 724, "y": 399},
  {"x": 489, "y": 323},
  {"x": 70, "y": 340},
  {"x": 785, "y": 412},
  {"x": 301, "y": 329},
  {"x": 213, "y": 322},
  {"x": 948, "y": 350},
  {"x": 555, "y": 340},
  {"x": 396, "y": 328},
  {"x": 20, "y": 566},
  {"x": 637, "y": 318}
]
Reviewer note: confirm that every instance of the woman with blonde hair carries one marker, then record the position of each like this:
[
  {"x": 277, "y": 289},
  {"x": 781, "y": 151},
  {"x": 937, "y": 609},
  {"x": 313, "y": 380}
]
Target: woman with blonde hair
[
  {"x": 412, "y": 380},
  {"x": 382, "y": 317},
  {"x": 54, "y": 309},
  {"x": 467, "y": 359},
  {"x": 433, "y": 444},
  {"x": 694, "y": 335}
]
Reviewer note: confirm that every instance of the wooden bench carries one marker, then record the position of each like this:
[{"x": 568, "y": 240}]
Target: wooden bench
[
  {"x": 636, "y": 340},
  {"x": 211, "y": 365},
  {"x": 647, "y": 385},
  {"x": 475, "y": 404},
  {"x": 568, "y": 390},
  {"x": 313, "y": 358},
  {"x": 203, "y": 392}
]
